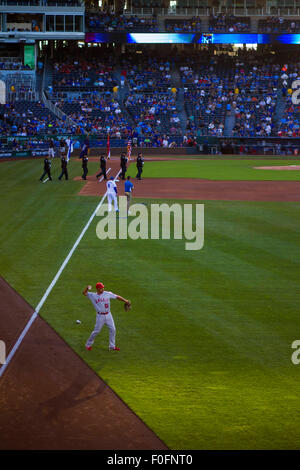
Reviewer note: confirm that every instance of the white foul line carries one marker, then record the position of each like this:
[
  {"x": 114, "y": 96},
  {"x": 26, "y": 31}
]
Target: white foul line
[
  {"x": 101, "y": 179},
  {"x": 54, "y": 281}
]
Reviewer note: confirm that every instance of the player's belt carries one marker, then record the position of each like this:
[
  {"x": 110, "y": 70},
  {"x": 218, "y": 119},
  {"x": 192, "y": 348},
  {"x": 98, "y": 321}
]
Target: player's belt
[{"x": 103, "y": 313}]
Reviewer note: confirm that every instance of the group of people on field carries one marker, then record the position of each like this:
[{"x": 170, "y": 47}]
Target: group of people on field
[{"x": 65, "y": 150}]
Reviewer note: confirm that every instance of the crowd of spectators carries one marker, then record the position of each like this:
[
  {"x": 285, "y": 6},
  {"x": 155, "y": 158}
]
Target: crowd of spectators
[
  {"x": 229, "y": 23},
  {"x": 24, "y": 118},
  {"x": 148, "y": 74},
  {"x": 288, "y": 125},
  {"x": 96, "y": 114},
  {"x": 153, "y": 113},
  {"x": 103, "y": 21},
  {"x": 205, "y": 95},
  {"x": 256, "y": 92},
  {"x": 278, "y": 24},
  {"x": 82, "y": 74},
  {"x": 186, "y": 26},
  {"x": 245, "y": 90}
]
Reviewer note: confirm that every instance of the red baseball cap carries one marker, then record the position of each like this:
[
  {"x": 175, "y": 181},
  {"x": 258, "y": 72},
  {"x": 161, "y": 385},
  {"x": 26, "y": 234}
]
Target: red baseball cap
[{"x": 99, "y": 285}]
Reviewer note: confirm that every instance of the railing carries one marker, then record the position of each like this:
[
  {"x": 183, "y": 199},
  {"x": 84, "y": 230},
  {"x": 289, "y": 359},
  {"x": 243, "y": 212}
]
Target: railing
[
  {"x": 57, "y": 111},
  {"x": 12, "y": 64},
  {"x": 48, "y": 103},
  {"x": 237, "y": 11},
  {"x": 42, "y": 3},
  {"x": 15, "y": 60},
  {"x": 29, "y": 95},
  {"x": 35, "y": 146}
]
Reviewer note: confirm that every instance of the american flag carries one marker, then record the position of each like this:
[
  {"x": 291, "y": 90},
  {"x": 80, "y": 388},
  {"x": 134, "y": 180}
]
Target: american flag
[
  {"x": 108, "y": 147},
  {"x": 129, "y": 148}
]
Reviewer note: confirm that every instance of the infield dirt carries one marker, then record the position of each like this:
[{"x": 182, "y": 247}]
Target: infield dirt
[{"x": 50, "y": 399}]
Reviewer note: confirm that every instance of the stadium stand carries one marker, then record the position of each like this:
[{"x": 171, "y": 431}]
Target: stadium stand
[
  {"x": 26, "y": 118},
  {"x": 229, "y": 23},
  {"x": 154, "y": 113},
  {"x": 103, "y": 21},
  {"x": 126, "y": 90},
  {"x": 98, "y": 114},
  {"x": 147, "y": 73},
  {"x": 278, "y": 25},
  {"x": 183, "y": 25},
  {"x": 82, "y": 75}
]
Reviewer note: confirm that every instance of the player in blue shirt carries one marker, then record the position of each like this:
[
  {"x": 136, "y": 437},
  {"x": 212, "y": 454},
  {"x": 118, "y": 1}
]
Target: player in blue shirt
[{"x": 128, "y": 192}]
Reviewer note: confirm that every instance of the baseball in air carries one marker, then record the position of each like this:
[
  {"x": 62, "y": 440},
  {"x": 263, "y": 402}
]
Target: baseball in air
[{"x": 78, "y": 321}]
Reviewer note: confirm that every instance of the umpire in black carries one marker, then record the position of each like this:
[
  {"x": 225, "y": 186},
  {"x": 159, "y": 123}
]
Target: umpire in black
[
  {"x": 102, "y": 166},
  {"x": 64, "y": 168},
  {"x": 47, "y": 169},
  {"x": 139, "y": 165},
  {"x": 84, "y": 166},
  {"x": 123, "y": 165}
]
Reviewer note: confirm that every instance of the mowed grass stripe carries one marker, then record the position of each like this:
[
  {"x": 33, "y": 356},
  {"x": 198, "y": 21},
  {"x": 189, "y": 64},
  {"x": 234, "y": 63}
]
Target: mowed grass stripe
[
  {"x": 219, "y": 170},
  {"x": 220, "y": 284},
  {"x": 267, "y": 213}
]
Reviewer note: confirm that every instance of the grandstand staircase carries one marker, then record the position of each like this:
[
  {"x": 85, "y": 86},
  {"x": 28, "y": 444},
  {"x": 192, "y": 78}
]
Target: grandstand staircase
[
  {"x": 176, "y": 82},
  {"x": 39, "y": 85},
  {"x": 48, "y": 76},
  {"x": 175, "y": 79},
  {"x": 254, "y": 23},
  {"x": 205, "y": 24},
  {"x": 123, "y": 92},
  {"x": 229, "y": 124},
  {"x": 181, "y": 110},
  {"x": 161, "y": 23},
  {"x": 46, "y": 82},
  {"x": 280, "y": 108}
]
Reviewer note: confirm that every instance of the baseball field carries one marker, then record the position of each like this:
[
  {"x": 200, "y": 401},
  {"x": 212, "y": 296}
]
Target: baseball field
[{"x": 205, "y": 352}]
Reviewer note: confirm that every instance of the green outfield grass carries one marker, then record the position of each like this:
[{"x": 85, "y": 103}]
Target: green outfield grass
[
  {"x": 205, "y": 354},
  {"x": 219, "y": 170}
]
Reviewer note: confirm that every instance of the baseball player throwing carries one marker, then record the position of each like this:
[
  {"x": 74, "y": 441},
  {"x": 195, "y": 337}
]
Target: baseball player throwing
[{"x": 101, "y": 302}]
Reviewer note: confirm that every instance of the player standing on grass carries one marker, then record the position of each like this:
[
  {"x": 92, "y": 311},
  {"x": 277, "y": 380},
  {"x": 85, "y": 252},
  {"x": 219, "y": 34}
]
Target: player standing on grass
[
  {"x": 112, "y": 192},
  {"x": 101, "y": 302}
]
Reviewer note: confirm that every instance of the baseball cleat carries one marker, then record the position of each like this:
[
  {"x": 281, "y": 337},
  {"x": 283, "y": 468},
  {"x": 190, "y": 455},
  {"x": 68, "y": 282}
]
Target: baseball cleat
[
  {"x": 114, "y": 349},
  {"x": 88, "y": 348}
]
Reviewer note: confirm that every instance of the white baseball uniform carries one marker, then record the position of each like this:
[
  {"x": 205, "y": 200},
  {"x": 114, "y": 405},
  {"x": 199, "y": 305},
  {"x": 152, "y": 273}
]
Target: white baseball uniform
[
  {"x": 101, "y": 303},
  {"x": 112, "y": 194},
  {"x": 51, "y": 152}
]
